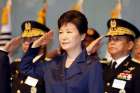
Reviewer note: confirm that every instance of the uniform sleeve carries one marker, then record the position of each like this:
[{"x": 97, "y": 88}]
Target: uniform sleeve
[
  {"x": 96, "y": 79},
  {"x": 28, "y": 67},
  {"x": 4, "y": 72},
  {"x": 136, "y": 85}
]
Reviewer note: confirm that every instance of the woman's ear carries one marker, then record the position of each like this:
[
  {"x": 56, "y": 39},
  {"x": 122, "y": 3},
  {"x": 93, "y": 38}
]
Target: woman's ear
[{"x": 83, "y": 37}]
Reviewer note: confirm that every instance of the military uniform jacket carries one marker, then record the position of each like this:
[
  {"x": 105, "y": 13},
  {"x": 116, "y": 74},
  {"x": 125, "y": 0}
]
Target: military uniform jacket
[
  {"x": 18, "y": 81},
  {"x": 127, "y": 74},
  {"x": 4, "y": 73},
  {"x": 83, "y": 76}
]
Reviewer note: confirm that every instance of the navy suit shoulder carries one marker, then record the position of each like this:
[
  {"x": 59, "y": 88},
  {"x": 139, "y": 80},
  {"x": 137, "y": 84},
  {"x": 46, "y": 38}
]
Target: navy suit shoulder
[{"x": 4, "y": 73}]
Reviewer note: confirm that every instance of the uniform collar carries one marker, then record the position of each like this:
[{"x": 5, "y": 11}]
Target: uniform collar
[
  {"x": 119, "y": 60},
  {"x": 78, "y": 65},
  {"x": 82, "y": 57}
]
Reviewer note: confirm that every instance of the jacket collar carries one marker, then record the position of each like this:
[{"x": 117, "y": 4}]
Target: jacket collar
[{"x": 78, "y": 66}]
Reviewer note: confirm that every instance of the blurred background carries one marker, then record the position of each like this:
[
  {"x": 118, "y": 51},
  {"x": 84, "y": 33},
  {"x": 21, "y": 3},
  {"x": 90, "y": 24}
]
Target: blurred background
[{"x": 97, "y": 12}]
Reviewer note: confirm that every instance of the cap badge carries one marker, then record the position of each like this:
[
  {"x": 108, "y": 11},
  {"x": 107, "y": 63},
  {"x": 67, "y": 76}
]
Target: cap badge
[
  {"x": 28, "y": 26},
  {"x": 113, "y": 23}
]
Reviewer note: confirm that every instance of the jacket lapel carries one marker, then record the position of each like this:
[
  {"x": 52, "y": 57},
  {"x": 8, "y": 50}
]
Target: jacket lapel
[
  {"x": 77, "y": 67},
  {"x": 72, "y": 71}
]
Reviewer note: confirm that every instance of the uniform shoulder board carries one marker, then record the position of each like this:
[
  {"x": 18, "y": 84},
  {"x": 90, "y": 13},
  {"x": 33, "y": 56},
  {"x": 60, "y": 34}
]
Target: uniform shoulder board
[
  {"x": 104, "y": 61},
  {"x": 37, "y": 58},
  {"x": 135, "y": 60},
  {"x": 47, "y": 58},
  {"x": 17, "y": 60}
]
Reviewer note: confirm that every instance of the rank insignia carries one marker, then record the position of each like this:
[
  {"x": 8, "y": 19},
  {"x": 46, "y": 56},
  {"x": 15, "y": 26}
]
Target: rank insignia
[
  {"x": 28, "y": 26},
  {"x": 131, "y": 68},
  {"x": 113, "y": 23}
]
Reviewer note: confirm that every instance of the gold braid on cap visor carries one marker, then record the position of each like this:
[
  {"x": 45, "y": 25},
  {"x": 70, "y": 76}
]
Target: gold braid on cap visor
[
  {"x": 32, "y": 32},
  {"x": 120, "y": 31}
]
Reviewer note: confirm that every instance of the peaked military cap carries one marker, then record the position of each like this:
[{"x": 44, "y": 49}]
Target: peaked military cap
[
  {"x": 121, "y": 27},
  {"x": 32, "y": 28}
]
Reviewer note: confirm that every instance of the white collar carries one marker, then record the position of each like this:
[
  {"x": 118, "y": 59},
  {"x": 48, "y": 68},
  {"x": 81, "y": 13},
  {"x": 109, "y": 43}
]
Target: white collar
[{"x": 119, "y": 60}]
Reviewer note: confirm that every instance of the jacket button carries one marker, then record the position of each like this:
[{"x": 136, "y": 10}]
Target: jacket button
[
  {"x": 108, "y": 84},
  {"x": 21, "y": 82},
  {"x": 18, "y": 91}
]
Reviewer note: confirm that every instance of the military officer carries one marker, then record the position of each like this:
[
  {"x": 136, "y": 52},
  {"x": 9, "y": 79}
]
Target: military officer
[
  {"x": 121, "y": 75},
  {"x": 22, "y": 83}
]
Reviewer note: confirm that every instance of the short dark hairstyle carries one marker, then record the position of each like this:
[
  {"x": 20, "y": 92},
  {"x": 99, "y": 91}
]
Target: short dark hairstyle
[{"x": 75, "y": 17}]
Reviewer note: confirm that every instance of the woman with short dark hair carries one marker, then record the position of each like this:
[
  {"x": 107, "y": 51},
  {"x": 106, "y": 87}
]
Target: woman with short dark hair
[{"x": 73, "y": 71}]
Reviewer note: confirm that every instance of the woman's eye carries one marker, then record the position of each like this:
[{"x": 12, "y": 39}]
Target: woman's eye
[
  {"x": 60, "y": 32},
  {"x": 69, "y": 31}
]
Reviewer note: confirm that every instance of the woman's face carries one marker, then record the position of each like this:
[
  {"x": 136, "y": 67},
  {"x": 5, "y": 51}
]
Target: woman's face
[{"x": 69, "y": 37}]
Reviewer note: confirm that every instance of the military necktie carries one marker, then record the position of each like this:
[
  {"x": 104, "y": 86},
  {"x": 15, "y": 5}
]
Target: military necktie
[{"x": 113, "y": 65}]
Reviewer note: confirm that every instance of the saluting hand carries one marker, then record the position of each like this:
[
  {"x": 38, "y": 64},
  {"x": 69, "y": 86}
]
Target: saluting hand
[
  {"x": 13, "y": 44},
  {"x": 43, "y": 40},
  {"x": 94, "y": 45}
]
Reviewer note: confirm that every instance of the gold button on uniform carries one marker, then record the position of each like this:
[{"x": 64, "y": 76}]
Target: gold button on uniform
[
  {"x": 11, "y": 78},
  {"x": 17, "y": 71},
  {"x": 106, "y": 92},
  {"x": 21, "y": 82},
  {"x": 18, "y": 91},
  {"x": 108, "y": 84}
]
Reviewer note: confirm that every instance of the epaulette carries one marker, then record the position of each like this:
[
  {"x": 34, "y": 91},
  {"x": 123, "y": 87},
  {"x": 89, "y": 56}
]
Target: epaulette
[
  {"x": 37, "y": 58},
  {"x": 135, "y": 60},
  {"x": 17, "y": 60},
  {"x": 47, "y": 58},
  {"x": 104, "y": 61}
]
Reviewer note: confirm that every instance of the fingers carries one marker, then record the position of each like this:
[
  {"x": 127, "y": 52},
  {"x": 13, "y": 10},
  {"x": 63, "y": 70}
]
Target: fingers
[
  {"x": 48, "y": 36},
  {"x": 43, "y": 40},
  {"x": 13, "y": 44},
  {"x": 93, "y": 45}
]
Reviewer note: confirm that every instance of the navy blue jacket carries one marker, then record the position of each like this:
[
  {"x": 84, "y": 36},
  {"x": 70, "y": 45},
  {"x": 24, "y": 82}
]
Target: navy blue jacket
[
  {"x": 4, "y": 73},
  {"x": 83, "y": 76}
]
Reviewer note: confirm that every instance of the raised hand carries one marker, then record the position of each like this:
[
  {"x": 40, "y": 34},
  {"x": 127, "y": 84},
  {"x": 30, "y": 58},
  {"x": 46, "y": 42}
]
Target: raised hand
[
  {"x": 43, "y": 40},
  {"x": 13, "y": 44},
  {"x": 94, "y": 45}
]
